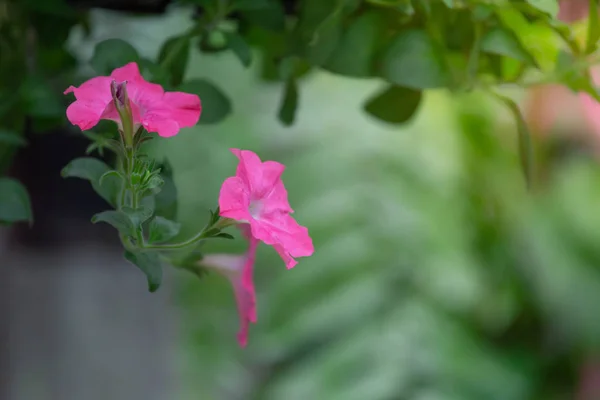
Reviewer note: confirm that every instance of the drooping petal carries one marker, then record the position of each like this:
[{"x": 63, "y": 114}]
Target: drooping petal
[
  {"x": 239, "y": 270},
  {"x": 85, "y": 115},
  {"x": 234, "y": 199}
]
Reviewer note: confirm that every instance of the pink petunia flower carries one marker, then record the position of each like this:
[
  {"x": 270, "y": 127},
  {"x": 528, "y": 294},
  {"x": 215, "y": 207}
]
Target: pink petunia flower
[
  {"x": 239, "y": 270},
  {"x": 256, "y": 195},
  {"x": 152, "y": 107}
]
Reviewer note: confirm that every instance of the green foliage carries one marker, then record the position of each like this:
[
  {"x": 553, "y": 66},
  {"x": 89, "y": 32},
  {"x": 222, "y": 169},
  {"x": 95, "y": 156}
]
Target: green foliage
[
  {"x": 111, "y": 54},
  {"x": 173, "y": 57},
  {"x": 119, "y": 220},
  {"x": 14, "y": 202},
  {"x": 216, "y": 106},
  {"x": 395, "y": 104},
  {"x": 149, "y": 264},
  {"x": 92, "y": 170},
  {"x": 162, "y": 229}
]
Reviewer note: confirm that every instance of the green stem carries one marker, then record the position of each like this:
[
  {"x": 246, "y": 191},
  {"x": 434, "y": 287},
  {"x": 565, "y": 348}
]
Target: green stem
[{"x": 220, "y": 224}]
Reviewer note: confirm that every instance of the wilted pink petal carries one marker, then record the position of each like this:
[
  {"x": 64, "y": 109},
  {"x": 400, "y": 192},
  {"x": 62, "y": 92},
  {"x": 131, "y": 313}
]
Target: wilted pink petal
[
  {"x": 153, "y": 108},
  {"x": 239, "y": 270},
  {"x": 257, "y": 196}
]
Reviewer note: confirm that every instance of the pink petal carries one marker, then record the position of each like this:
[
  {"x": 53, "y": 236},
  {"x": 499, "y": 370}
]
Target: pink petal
[
  {"x": 186, "y": 108},
  {"x": 234, "y": 199},
  {"x": 260, "y": 177},
  {"x": 163, "y": 126},
  {"x": 95, "y": 89},
  {"x": 85, "y": 114},
  {"x": 590, "y": 106},
  {"x": 128, "y": 72}
]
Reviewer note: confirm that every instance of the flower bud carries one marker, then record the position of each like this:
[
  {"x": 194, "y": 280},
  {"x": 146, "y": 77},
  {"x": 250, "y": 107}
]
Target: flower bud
[{"x": 123, "y": 106}]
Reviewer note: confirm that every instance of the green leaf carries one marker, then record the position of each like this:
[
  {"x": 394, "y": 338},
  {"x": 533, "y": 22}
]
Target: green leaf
[
  {"x": 547, "y": 6},
  {"x": 395, "y": 104},
  {"x": 215, "y": 104},
  {"x": 92, "y": 169},
  {"x": 39, "y": 99},
  {"x": 150, "y": 265},
  {"x": 593, "y": 27},
  {"x": 139, "y": 215},
  {"x": 269, "y": 16},
  {"x": 112, "y": 53},
  {"x": 525, "y": 145},
  {"x": 14, "y": 202},
  {"x": 224, "y": 235},
  {"x": 245, "y": 5},
  {"x": 117, "y": 219},
  {"x": 318, "y": 31},
  {"x": 354, "y": 54},
  {"x": 414, "y": 61},
  {"x": 173, "y": 57},
  {"x": 238, "y": 45},
  {"x": 12, "y": 138},
  {"x": 108, "y": 175},
  {"x": 162, "y": 229},
  {"x": 289, "y": 103},
  {"x": 504, "y": 43}
]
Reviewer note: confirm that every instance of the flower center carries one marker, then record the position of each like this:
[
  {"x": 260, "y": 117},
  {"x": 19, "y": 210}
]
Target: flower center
[{"x": 255, "y": 208}]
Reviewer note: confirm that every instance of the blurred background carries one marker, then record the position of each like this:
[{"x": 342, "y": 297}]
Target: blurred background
[{"x": 436, "y": 275}]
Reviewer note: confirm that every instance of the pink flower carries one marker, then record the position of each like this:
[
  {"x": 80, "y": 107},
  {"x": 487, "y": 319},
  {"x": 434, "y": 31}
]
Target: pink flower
[
  {"x": 256, "y": 195},
  {"x": 152, "y": 107},
  {"x": 239, "y": 271}
]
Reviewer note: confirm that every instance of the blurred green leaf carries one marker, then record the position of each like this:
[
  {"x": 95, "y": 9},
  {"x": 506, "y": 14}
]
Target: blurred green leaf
[
  {"x": 15, "y": 205},
  {"x": 112, "y": 53},
  {"x": 12, "y": 138},
  {"x": 173, "y": 57},
  {"x": 117, "y": 219},
  {"x": 289, "y": 102},
  {"x": 92, "y": 169},
  {"x": 240, "y": 48},
  {"x": 414, "y": 61},
  {"x": 547, "y": 6},
  {"x": 162, "y": 229},
  {"x": 216, "y": 106},
  {"x": 354, "y": 54},
  {"x": 394, "y": 104},
  {"x": 269, "y": 15},
  {"x": 502, "y": 42},
  {"x": 593, "y": 27},
  {"x": 139, "y": 215},
  {"x": 318, "y": 30},
  {"x": 39, "y": 99},
  {"x": 149, "y": 264}
]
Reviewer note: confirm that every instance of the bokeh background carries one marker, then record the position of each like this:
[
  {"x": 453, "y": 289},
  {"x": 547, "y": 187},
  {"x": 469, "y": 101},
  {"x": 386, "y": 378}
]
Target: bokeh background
[{"x": 436, "y": 274}]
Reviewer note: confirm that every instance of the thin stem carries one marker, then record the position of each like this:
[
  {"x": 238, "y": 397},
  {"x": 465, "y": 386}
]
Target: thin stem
[{"x": 220, "y": 224}]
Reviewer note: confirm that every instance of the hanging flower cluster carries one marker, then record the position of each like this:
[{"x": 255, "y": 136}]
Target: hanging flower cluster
[{"x": 255, "y": 199}]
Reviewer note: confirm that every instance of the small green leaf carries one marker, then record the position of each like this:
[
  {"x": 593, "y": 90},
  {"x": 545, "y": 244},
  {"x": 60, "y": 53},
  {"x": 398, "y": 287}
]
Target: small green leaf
[
  {"x": 216, "y": 106},
  {"x": 503, "y": 42},
  {"x": 394, "y": 105},
  {"x": 150, "y": 265},
  {"x": 12, "y": 138},
  {"x": 139, "y": 215},
  {"x": 250, "y": 4},
  {"x": 289, "y": 103},
  {"x": 354, "y": 54},
  {"x": 112, "y": 53},
  {"x": 547, "y": 6},
  {"x": 269, "y": 16},
  {"x": 117, "y": 219},
  {"x": 224, "y": 235},
  {"x": 108, "y": 174},
  {"x": 238, "y": 45},
  {"x": 14, "y": 202},
  {"x": 162, "y": 229},
  {"x": 92, "y": 169},
  {"x": 414, "y": 61},
  {"x": 173, "y": 57},
  {"x": 593, "y": 27}
]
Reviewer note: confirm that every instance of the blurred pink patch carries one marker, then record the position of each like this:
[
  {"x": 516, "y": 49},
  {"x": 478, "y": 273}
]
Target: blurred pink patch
[
  {"x": 153, "y": 108},
  {"x": 256, "y": 195},
  {"x": 239, "y": 271}
]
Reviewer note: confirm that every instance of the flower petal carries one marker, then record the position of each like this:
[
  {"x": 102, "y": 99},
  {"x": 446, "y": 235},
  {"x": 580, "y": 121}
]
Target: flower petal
[
  {"x": 185, "y": 108},
  {"x": 234, "y": 199},
  {"x": 260, "y": 177},
  {"x": 128, "y": 72}
]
